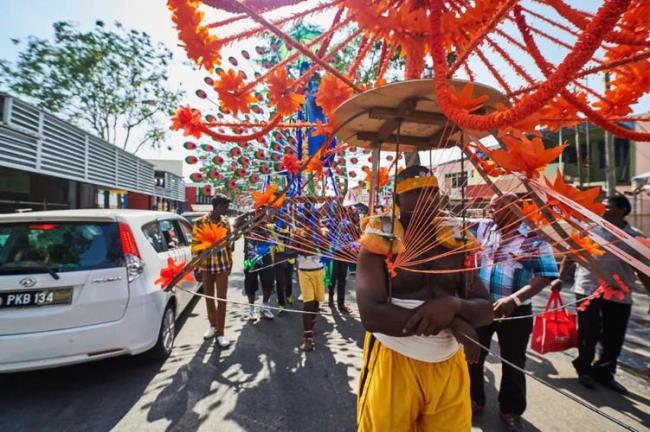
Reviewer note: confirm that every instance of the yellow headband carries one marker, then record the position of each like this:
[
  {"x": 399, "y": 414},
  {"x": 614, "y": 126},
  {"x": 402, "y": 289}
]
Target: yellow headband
[{"x": 416, "y": 183}]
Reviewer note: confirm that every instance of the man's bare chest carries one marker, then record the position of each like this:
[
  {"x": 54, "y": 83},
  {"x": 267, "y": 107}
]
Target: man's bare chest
[{"x": 438, "y": 270}]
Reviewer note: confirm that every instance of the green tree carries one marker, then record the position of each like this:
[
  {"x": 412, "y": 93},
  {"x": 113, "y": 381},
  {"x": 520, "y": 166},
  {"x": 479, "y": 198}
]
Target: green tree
[{"x": 112, "y": 81}]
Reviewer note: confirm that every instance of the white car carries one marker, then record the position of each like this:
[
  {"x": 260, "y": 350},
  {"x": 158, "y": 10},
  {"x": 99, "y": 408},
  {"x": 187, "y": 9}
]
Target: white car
[
  {"x": 192, "y": 216},
  {"x": 79, "y": 285}
]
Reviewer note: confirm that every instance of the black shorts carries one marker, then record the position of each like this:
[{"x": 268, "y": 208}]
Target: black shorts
[{"x": 266, "y": 276}]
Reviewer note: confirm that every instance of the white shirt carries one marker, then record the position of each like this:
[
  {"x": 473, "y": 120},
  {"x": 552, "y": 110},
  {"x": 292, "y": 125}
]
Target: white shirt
[{"x": 309, "y": 262}]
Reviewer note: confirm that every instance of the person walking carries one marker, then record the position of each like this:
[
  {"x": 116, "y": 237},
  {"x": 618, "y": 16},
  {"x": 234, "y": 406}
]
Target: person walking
[
  {"x": 338, "y": 279},
  {"x": 515, "y": 265},
  {"x": 283, "y": 260},
  {"x": 215, "y": 268},
  {"x": 414, "y": 374},
  {"x": 605, "y": 320},
  {"x": 258, "y": 268},
  {"x": 311, "y": 278}
]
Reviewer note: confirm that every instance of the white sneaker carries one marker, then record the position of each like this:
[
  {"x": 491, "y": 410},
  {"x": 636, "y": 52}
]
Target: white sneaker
[
  {"x": 252, "y": 313},
  {"x": 267, "y": 313},
  {"x": 210, "y": 333},
  {"x": 223, "y": 342}
]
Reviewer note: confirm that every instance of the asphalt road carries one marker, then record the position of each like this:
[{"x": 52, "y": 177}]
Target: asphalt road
[{"x": 265, "y": 383}]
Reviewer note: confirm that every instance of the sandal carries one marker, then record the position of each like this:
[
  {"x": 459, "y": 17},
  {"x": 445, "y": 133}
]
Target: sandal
[
  {"x": 344, "y": 309},
  {"x": 308, "y": 344}
]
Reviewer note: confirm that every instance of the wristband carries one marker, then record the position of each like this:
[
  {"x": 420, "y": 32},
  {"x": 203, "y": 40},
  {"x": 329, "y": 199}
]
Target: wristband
[{"x": 516, "y": 300}]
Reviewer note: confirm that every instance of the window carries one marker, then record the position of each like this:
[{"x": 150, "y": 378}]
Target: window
[
  {"x": 187, "y": 231},
  {"x": 457, "y": 179},
  {"x": 172, "y": 234},
  {"x": 154, "y": 235},
  {"x": 61, "y": 246}
]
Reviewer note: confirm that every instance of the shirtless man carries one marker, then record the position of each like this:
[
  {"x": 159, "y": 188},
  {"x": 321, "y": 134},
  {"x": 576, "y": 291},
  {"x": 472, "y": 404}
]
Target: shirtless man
[{"x": 415, "y": 375}]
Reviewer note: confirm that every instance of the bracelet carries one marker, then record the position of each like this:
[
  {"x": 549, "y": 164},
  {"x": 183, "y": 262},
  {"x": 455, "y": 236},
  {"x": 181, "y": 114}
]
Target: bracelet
[{"x": 516, "y": 300}]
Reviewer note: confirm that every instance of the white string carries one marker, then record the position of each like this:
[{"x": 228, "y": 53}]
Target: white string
[
  {"x": 498, "y": 357},
  {"x": 277, "y": 308},
  {"x": 270, "y": 265},
  {"x": 557, "y": 309},
  {"x": 356, "y": 314},
  {"x": 553, "y": 387}
]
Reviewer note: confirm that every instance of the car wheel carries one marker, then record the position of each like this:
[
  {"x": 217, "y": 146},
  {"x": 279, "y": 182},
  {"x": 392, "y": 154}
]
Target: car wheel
[{"x": 166, "y": 335}]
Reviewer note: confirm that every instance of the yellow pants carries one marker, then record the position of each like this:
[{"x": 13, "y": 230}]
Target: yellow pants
[
  {"x": 312, "y": 285},
  {"x": 397, "y": 393}
]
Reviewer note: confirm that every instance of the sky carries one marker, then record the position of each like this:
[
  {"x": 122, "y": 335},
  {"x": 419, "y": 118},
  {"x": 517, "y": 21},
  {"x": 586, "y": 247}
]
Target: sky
[{"x": 35, "y": 17}]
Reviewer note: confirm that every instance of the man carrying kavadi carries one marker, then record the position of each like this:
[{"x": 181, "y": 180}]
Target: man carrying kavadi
[{"x": 414, "y": 374}]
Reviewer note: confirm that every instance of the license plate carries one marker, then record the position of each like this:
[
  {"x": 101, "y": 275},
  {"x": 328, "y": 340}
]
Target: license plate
[{"x": 43, "y": 297}]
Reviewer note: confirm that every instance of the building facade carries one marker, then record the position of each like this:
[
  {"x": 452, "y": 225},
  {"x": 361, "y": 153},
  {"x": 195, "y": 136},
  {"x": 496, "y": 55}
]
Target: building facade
[{"x": 48, "y": 164}]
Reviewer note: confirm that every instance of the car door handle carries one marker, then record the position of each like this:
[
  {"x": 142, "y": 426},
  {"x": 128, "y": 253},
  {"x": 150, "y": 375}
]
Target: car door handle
[{"x": 107, "y": 279}]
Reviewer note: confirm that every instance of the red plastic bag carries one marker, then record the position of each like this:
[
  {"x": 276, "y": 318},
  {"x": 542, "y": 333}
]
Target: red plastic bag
[{"x": 554, "y": 330}]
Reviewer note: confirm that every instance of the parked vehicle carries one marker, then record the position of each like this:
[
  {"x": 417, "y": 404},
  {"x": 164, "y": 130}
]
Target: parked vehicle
[
  {"x": 192, "y": 216},
  {"x": 79, "y": 285}
]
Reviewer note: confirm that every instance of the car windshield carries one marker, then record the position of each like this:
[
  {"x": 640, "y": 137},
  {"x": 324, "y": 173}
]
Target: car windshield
[{"x": 34, "y": 247}]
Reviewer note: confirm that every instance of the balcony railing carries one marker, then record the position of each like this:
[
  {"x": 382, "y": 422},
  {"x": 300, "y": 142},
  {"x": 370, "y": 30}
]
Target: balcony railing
[{"x": 37, "y": 141}]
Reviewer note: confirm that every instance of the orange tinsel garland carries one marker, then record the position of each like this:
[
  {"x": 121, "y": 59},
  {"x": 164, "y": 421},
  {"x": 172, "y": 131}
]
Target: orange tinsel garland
[
  {"x": 583, "y": 51},
  {"x": 200, "y": 45},
  {"x": 581, "y": 105}
]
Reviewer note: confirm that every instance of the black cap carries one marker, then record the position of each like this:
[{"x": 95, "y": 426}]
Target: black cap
[
  {"x": 220, "y": 198},
  {"x": 413, "y": 172}
]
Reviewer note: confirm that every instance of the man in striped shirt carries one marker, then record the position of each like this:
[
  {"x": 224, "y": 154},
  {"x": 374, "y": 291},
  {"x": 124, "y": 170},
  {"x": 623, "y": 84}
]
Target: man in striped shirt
[
  {"x": 215, "y": 268},
  {"x": 515, "y": 265}
]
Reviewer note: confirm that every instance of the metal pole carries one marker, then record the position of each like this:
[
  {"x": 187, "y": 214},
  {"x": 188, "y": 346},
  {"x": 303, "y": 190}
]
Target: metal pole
[
  {"x": 578, "y": 155},
  {"x": 610, "y": 159},
  {"x": 374, "y": 178},
  {"x": 559, "y": 142},
  {"x": 588, "y": 164}
]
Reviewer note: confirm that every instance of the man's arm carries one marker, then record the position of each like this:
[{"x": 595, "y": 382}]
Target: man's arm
[
  {"x": 645, "y": 280},
  {"x": 566, "y": 266},
  {"x": 377, "y": 315},
  {"x": 476, "y": 307},
  {"x": 466, "y": 335}
]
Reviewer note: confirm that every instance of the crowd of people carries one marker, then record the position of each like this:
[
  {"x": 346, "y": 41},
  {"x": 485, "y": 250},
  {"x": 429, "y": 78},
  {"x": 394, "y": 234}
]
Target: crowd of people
[
  {"x": 422, "y": 368},
  {"x": 273, "y": 252}
]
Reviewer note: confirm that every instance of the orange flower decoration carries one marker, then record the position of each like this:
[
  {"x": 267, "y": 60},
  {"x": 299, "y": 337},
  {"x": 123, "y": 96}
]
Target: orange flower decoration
[
  {"x": 208, "y": 236},
  {"x": 189, "y": 120},
  {"x": 321, "y": 128},
  {"x": 286, "y": 102},
  {"x": 268, "y": 197},
  {"x": 167, "y": 274},
  {"x": 533, "y": 214},
  {"x": 315, "y": 166},
  {"x": 382, "y": 176},
  {"x": 586, "y": 245},
  {"x": 525, "y": 155},
  {"x": 465, "y": 98},
  {"x": 586, "y": 198},
  {"x": 291, "y": 163},
  {"x": 233, "y": 97},
  {"x": 331, "y": 94},
  {"x": 200, "y": 45}
]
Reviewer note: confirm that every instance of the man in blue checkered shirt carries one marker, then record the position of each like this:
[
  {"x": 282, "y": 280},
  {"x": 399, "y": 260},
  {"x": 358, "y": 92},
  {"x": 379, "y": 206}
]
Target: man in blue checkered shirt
[{"x": 515, "y": 265}]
